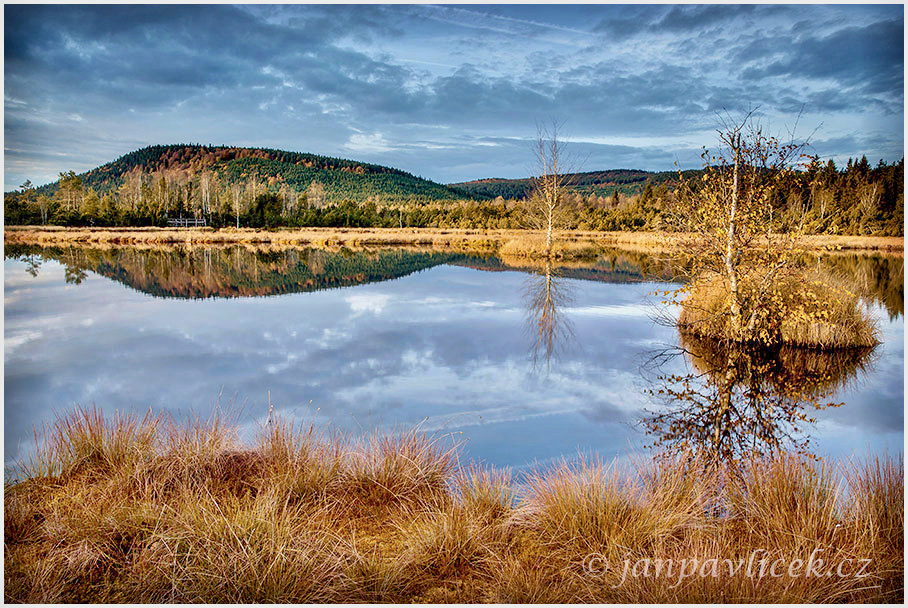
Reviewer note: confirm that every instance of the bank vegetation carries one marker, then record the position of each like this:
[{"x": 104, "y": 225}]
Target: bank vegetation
[{"x": 131, "y": 509}]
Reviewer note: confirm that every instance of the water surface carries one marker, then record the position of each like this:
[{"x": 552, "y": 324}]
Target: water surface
[{"x": 352, "y": 342}]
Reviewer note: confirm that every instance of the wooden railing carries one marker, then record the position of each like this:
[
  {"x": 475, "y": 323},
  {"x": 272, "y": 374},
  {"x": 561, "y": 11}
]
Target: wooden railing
[{"x": 185, "y": 222}]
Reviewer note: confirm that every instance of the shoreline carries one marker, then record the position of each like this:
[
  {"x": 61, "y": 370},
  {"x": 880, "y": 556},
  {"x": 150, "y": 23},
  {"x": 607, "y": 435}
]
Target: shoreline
[{"x": 576, "y": 241}]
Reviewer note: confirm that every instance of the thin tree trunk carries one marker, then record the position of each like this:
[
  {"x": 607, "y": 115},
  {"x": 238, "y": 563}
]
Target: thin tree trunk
[{"x": 730, "y": 269}]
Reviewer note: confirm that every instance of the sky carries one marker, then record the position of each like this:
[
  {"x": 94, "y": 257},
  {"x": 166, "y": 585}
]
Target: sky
[{"x": 450, "y": 93}]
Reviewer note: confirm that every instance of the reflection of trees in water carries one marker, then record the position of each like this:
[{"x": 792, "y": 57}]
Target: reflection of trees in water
[
  {"x": 737, "y": 402},
  {"x": 32, "y": 264},
  {"x": 203, "y": 272},
  {"x": 546, "y": 296},
  {"x": 315, "y": 260},
  {"x": 75, "y": 267},
  {"x": 877, "y": 278}
]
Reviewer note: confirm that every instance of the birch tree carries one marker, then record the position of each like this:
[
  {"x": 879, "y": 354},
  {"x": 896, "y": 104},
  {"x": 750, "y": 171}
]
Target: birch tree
[
  {"x": 727, "y": 215},
  {"x": 545, "y": 206}
]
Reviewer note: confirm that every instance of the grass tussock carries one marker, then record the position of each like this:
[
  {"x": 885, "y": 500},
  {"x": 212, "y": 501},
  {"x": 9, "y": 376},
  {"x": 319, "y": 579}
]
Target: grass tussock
[
  {"x": 144, "y": 510},
  {"x": 533, "y": 246},
  {"x": 809, "y": 309}
]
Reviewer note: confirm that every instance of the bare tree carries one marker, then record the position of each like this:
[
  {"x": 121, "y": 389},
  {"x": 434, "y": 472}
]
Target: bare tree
[
  {"x": 822, "y": 199},
  {"x": 205, "y": 190},
  {"x": 869, "y": 197},
  {"x": 236, "y": 194},
  {"x": 44, "y": 204},
  {"x": 315, "y": 195},
  {"x": 545, "y": 207},
  {"x": 131, "y": 191}
]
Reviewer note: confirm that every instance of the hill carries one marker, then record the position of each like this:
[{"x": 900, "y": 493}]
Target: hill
[
  {"x": 592, "y": 183},
  {"x": 342, "y": 179}
]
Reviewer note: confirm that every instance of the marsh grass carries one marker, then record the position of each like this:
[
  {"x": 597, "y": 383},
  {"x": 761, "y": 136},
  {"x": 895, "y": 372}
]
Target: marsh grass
[
  {"x": 351, "y": 237},
  {"x": 533, "y": 245},
  {"x": 142, "y": 509},
  {"x": 810, "y": 309}
]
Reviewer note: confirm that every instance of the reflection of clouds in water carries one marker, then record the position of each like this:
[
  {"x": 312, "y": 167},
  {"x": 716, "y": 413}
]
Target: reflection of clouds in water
[
  {"x": 20, "y": 338},
  {"x": 367, "y": 302},
  {"x": 608, "y": 311},
  {"x": 449, "y": 344}
]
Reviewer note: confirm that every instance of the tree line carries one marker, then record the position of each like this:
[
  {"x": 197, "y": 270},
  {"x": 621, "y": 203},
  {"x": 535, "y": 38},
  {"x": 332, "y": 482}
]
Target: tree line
[{"x": 262, "y": 193}]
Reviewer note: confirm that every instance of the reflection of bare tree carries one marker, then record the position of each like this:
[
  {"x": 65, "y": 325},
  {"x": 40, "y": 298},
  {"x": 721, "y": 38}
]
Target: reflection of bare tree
[
  {"x": 546, "y": 296},
  {"x": 738, "y": 402},
  {"x": 315, "y": 261},
  {"x": 32, "y": 264}
]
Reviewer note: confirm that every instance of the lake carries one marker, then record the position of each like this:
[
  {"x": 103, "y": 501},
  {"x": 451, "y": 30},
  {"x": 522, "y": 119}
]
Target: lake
[{"x": 523, "y": 364}]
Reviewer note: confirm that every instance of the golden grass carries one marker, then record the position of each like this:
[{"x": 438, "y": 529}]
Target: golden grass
[
  {"x": 533, "y": 246},
  {"x": 144, "y": 510},
  {"x": 455, "y": 238},
  {"x": 810, "y": 309}
]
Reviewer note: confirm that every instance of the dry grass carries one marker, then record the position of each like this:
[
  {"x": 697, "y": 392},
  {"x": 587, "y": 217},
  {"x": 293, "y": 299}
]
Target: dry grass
[
  {"x": 144, "y": 510},
  {"x": 533, "y": 246},
  {"x": 522, "y": 242},
  {"x": 810, "y": 309}
]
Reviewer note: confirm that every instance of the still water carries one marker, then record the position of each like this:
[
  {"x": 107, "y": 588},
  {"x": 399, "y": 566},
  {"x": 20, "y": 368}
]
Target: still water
[{"x": 522, "y": 364}]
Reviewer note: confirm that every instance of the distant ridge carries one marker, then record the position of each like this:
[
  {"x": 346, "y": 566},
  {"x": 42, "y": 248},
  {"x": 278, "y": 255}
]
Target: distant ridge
[{"x": 599, "y": 183}]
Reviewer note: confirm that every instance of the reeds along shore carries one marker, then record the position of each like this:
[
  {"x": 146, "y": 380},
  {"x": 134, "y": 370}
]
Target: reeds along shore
[
  {"x": 144, "y": 510},
  {"x": 517, "y": 242}
]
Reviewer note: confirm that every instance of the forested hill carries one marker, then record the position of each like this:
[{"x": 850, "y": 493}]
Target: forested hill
[
  {"x": 627, "y": 182},
  {"x": 339, "y": 179}
]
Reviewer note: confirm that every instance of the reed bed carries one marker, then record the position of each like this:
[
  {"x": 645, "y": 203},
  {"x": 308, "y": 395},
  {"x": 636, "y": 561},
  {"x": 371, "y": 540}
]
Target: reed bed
[
  {"x": 438, "y": 237},
  {"x": 141, "y": 509}
]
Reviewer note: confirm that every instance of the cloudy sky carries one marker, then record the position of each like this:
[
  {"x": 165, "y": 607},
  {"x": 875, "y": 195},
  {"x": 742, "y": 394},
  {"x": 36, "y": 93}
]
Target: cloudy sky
[{"x": 448, "y": 93}]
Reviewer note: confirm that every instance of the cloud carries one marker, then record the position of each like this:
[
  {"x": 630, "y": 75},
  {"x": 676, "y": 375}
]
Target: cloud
[
  {"x": 869, "y": 58},
  {"x": 362, "y": 142},
  {"x": 679, "y": 19},
  {"x": 368, "y": 302},
  {"x": 418, "y": 86}
]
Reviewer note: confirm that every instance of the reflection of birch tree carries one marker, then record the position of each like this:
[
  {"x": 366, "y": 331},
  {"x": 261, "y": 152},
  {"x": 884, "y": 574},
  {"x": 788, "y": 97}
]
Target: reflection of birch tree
[
  {"x": 546, "y": 297},
  {"x": 738, "y": 402}
]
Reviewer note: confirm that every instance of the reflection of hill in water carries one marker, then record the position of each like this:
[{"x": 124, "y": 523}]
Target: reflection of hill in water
[
  {"x": 227, "y": 272},
  {"x": 230, "y": 272},
  {"x": 611, "y": 266}
]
